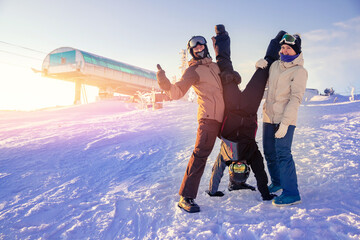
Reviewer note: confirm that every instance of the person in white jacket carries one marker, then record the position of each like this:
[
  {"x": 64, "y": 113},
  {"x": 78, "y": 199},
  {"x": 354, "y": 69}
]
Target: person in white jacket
[{"x": 286, "y": 87}]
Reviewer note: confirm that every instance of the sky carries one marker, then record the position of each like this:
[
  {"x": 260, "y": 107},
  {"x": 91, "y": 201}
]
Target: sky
[{"x": 143, "y": 33}]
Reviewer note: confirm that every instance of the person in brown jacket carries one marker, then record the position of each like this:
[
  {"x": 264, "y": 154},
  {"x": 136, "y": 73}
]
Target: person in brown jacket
[{"x": 203, "y": 75}]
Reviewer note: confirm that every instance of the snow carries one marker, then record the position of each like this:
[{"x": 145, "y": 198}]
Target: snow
[{"x": 108, "y": 170}]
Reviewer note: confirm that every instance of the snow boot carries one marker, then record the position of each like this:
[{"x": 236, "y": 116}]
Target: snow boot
[
  {"x": 274, "y": 188},
  {"x": 284, "y": 200},
  {"x": 188, "y": 204},
  {"x": 221, "y": 43},
  {"x": 272, "y": 52},
  {"x": 220, "y": 29}
]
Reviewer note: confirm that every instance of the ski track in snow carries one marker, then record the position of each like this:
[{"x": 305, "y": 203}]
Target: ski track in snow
[{"x": 111, "y": 171}]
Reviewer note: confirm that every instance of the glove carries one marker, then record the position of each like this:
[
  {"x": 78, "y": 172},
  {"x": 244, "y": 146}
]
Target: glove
[
  {"x": 279, "y": 36},
  {"x": 163, "y": 81},
  {"x": 261, "y": 63},
  {"x": 281, "y": 132},
  {"x": 217, "y": 194},
  {"x": 272, "y": 52},
  {"x": 269, "y": 197}
]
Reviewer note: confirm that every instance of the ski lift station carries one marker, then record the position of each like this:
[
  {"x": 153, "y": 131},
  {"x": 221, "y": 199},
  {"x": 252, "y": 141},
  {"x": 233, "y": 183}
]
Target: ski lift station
[{"x": 108, "y": 75}]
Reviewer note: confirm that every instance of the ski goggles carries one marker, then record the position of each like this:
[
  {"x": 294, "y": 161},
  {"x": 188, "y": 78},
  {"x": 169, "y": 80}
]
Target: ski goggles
[
  {"x": 288, "y": 39},
  {"x": 239, "y": 167},
  {"x": 195, "y": 41}
]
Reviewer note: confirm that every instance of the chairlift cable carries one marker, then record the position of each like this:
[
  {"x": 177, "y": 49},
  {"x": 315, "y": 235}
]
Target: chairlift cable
[{"x": 30, "y": 49}]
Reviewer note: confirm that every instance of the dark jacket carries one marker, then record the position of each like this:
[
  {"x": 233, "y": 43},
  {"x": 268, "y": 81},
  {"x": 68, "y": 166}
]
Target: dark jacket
[{"x": 240, "y": 117}]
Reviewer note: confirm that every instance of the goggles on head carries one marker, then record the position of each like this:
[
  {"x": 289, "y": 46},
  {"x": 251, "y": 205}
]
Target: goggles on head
[
  {"x": 239, "y": 167},
  {"x": 288, "y": 39},
  {"x": 195, "y": 41}
]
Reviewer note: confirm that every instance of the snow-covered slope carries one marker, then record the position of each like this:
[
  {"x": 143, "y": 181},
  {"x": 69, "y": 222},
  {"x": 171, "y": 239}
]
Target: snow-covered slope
[{"x": 108, "y": 170}]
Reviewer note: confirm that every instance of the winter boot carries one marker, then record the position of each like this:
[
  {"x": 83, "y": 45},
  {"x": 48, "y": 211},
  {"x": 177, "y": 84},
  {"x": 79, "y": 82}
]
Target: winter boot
[
  {"x": 188, "y": 204},
  {"x": 272, "y": 52},
  {"x": 220, "y": 30},
  {"x": 221, "y": 44},
  {"x": 284, "y": 200}
]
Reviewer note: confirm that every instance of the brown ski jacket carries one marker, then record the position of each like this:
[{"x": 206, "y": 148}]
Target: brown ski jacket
[{"x": 203, "y": 76}]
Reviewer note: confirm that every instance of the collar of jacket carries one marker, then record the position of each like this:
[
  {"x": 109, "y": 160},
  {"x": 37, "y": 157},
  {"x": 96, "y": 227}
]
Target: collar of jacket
[
  {"x": 297, "y": 61},
  {"x": 204, "y": 61}
]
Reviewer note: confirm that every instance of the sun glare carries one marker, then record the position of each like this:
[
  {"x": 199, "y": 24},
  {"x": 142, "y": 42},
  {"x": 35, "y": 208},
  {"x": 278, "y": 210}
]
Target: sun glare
[{"x": 22, "y": 89}]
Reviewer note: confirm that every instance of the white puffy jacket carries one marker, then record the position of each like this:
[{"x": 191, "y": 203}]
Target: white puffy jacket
[{"x": 286, "y": 88}]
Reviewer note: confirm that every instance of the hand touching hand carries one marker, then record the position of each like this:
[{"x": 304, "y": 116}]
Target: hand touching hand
[{"x": 261, "y": 63}]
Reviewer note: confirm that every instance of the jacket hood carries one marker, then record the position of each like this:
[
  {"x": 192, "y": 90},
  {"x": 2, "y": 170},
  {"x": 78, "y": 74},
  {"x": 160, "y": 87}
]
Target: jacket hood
[{"x": 205, "y": 61}]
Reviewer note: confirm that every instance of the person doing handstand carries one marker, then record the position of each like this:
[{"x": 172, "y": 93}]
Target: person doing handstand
[{"x": 238, "y": 147}]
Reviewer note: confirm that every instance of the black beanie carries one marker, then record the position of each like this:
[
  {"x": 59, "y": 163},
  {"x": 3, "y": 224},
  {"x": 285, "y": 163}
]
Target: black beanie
[{"x": 297, "y": 45}]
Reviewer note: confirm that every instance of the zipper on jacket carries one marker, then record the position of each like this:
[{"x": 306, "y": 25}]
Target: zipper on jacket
[{"x": 220, "y": 88}]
